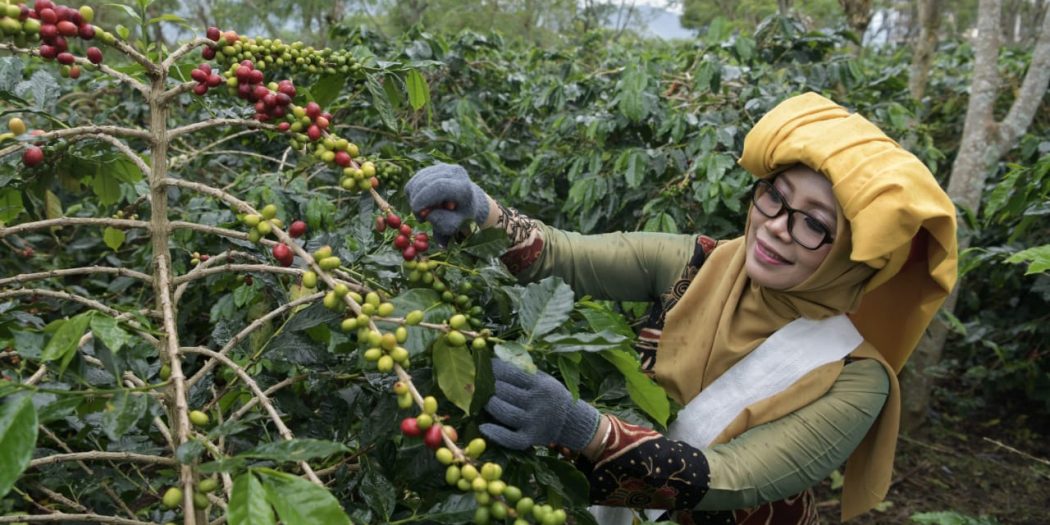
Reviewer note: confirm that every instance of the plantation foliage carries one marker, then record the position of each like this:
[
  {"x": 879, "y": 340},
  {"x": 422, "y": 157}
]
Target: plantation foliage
[{"x": 592, "y": 134}]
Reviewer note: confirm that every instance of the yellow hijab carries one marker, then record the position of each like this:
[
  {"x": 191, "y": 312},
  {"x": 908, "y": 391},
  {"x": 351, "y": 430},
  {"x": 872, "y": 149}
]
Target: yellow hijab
[{"x": 891, "y": 202}]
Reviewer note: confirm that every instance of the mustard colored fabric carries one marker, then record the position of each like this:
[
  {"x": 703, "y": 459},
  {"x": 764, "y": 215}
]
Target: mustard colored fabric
[
  {"x": 889, "y": 197},
  {"x": 891, "y": 203}
]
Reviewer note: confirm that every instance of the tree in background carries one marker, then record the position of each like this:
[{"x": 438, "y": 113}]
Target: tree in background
[
  {"x": 925, "y": 44},
  {"x": 985, "y": 140}
]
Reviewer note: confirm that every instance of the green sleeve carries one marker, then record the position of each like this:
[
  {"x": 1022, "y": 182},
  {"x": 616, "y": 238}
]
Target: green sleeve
[
  {"x": 784, "y": 457},
  {"x": 636, "y": 266}
]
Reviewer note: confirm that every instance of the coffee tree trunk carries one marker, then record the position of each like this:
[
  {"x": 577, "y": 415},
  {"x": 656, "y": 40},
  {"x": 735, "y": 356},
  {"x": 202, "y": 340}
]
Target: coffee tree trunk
[
  {"x": 925, "y": 44},
  {"x": 984, "y": 141}
]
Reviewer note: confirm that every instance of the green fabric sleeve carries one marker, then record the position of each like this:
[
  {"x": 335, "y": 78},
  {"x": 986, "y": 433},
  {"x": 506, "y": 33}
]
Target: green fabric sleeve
[
  {"x": 635, "y": 266},
  {"x": 784, "y": 457}
]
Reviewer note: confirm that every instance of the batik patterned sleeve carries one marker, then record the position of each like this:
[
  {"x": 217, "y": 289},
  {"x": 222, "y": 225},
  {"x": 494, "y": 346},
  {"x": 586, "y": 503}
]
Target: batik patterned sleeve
[{"x": 642, "y": 469}]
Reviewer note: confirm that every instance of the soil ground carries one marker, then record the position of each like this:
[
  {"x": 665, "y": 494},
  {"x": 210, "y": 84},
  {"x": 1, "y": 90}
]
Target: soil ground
[{"x": 999, "y": 470}]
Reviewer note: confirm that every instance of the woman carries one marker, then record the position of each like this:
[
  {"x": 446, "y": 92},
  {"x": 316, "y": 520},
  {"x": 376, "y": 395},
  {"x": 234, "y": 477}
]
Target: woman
[{"x": 780, "y": 386}]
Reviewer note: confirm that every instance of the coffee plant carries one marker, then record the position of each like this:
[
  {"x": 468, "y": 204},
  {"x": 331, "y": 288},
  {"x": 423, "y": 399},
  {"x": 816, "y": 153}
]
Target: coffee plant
[{"x": 217, "y": 315}]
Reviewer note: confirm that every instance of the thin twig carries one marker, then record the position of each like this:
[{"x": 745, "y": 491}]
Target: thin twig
[
  {"x": 62, "y": 499},
  {"x": 71, "y": 221},
  {"x": 125, "y": 149},
  {"x": 115, "y": 131},
  {"x": 183, "y": 50},
  {"x": 246, "y": 331},
  {"x": 1015, "y": 451},
  {"x": 269, "y": 391},
  {"x": 91, "y": 303},
  {"x": 139, "y": 86},
  {"x": 262, "y": 268},
  {"x": 103, "y": 456},
  {"x": 215, "y": 230},
  {"x": 285, "y": 432},
  {"x": 70, "y": 518},
  {"x": 26, "y": 277},
  {"x": 210, "y": 123}
]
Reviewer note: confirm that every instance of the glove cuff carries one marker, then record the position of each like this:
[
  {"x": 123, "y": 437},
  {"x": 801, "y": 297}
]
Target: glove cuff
[
  {"x": 581, "y": 424},
  {"x": 481, "y": 204}
]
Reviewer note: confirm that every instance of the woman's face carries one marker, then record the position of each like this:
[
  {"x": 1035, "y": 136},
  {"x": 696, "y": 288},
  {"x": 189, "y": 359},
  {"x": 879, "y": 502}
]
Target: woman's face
[{"x": 774, "y": 259}]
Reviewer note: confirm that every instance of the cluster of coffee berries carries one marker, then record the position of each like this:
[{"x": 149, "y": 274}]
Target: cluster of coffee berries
[
  {"x": 172, "y": 497},
  {"x": 272, "y": 101},
  {"x": 426, "y": 423},
  {"x": 205, "y": 78},
  {"x": 412, "y": 244},
  {"x": 53, "y": 25},
  {"x": 262, "y": 224},
  {"x": 273, "y": 53},
  {"x": 197, "y": 258},
  {"x": 429, "y": 273},
  {"x": 281, "y": 251},
  {"x": 496, "y": 499},
  {"x": 33, "y": 154}
]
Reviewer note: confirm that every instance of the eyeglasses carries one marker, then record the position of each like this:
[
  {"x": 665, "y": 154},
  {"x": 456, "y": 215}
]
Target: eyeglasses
[{"x": 809, "y": 233}]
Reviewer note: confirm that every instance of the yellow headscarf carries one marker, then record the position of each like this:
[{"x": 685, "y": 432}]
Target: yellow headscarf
[{"x": 891, "y": 202}]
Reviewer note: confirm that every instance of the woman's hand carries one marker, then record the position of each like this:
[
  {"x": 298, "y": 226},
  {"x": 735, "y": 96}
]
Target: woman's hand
[
  {"x": 444, "y": 195},
  {"x": 536, "y": 409}
]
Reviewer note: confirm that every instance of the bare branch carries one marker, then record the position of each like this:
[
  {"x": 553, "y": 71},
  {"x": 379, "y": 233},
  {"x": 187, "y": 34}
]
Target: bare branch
[
  {"x": 71, "y": 221},
  {"x": 139, "y": 86},
  {"x": 123, "y": 272},
  {"x": 267, "y": 268},
  {"x": 126, "y": 150},
  {"x": 263, "y": 400},
  {"x": 215, "y": 230},
  {"x": 184, "y": 87},
  {"x": 62, "y": 499},
  {"x": 238, "y": 204},
  {"x": 190, "y": 128},
  {"x": 70, "y": 518},
  {"x": 183, "y": 50},
  {"x": 235, "y": 340},
  {"x": 103, "y": 456},
  {"x": 269, "y": 391},
  {"x": 151, "y": 68},
  {"x": 213, "y": 260},
  {"x": 91, "y": 303},
  {"x": 115, "y": 131}
]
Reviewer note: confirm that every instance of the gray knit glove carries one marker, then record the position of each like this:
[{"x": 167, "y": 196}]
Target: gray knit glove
[
  {"x": 433, "y": 190},
  {"x": 536, "y": 409}
]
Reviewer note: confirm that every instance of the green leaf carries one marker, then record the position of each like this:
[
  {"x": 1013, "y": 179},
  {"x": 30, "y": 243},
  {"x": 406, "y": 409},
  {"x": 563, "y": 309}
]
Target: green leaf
[
  {"x": 544, "y": 306},
  {"x": 643, "y": 391},
  {"x": 487, "y": 243},
  {"x": 378, "y": 492},
  {"x": 106, "y": 329},
  {"x": 517, "y": 354},
  {"x": 418, "y": 91},
  {"x": 454, "y": 368},
  {"x": 632, "y": 92},
  {"x": 381, "y": 102},
  {"x": 1038, "y": 259},
  {"x": 189, "y": 451},
  {"x": 106, "y": 187},
  {"x": 128, "y": 10},
  {"x": 248, "y": 504},
  {"x": 601, "y": 319},
  {"x": 584, "y": 342},
  {"x": 52, "y": 205},
  {"x": 10, "y": 204},
  {"x": 17, "y": 439},
  {"x": 64, "y": 343},
  {"x": 299, "y": 502},
  {"x": 300, "y": 449},
  {"x": 634, "y": 172},
  {"x": 113, "y": 238},
  {"x": 124, "y": 412},
  {"x": 327, "y": 89},
  {"x": 562, "y": 478}
]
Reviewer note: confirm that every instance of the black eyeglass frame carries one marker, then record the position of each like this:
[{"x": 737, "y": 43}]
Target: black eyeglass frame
[{"x": 784, "y": 207}]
